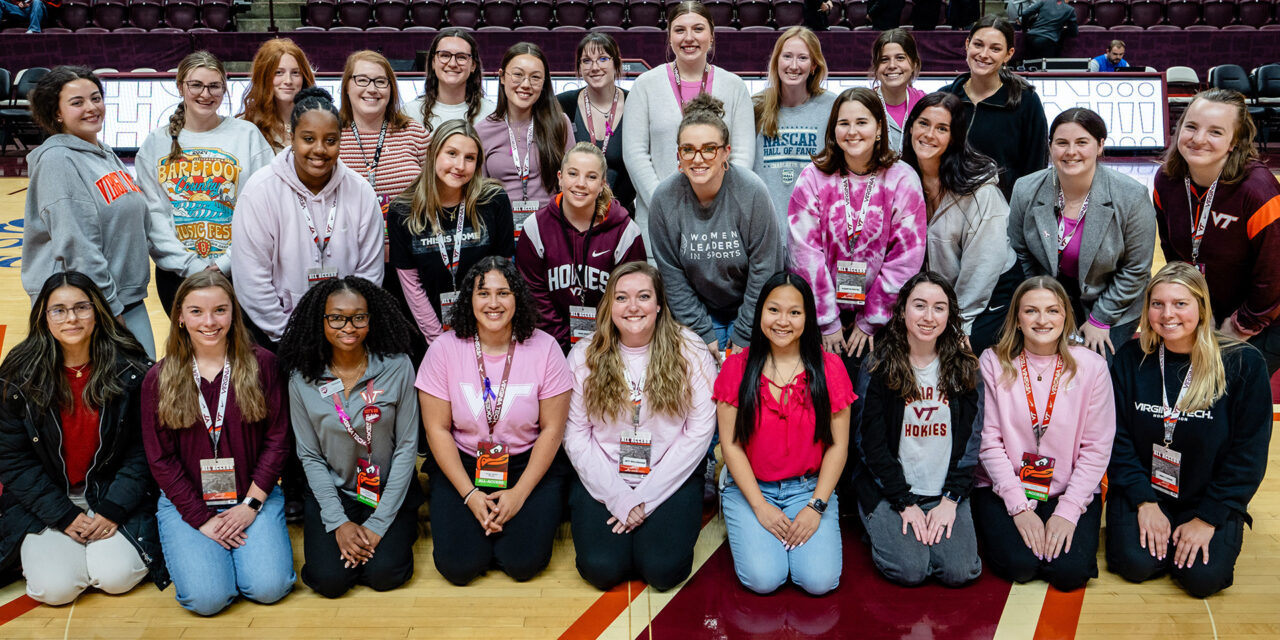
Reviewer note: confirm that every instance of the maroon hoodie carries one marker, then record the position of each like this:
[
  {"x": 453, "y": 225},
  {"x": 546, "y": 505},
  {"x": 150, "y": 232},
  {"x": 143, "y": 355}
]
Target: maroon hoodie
[{"x": 551, "y": 250}]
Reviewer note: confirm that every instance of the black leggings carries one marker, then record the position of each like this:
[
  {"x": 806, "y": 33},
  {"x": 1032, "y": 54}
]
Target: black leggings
[
  {"x": 1010, "y": 558},
  {"x": 1127, "y": 558},
  {"x": 391, "y": 564}
]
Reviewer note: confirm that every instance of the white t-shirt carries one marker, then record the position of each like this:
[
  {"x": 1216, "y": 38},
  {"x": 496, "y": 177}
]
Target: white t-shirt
[
  {"x": 924, "y": 446},
  {"x": 445, "y": 112}
]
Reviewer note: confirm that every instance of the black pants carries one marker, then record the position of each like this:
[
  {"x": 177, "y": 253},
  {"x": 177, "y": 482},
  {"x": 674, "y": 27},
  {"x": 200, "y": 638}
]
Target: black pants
[
  {"x": 392, "y": 562},
  {"x": 885, "y": 14},
  {"x": 522, "y": 549},
  {"x": 985, "y": 331},
  {"x": 925, "y": 13},
  {"x": 1127, "y": 558},
  {"x": 1010, "y": 558},
  {"x": 167, "y": 288},
  {"x": 1268, "y": 342},
  {"x": 660, "y": 551},
  {"x": 1038, "y": 47}
]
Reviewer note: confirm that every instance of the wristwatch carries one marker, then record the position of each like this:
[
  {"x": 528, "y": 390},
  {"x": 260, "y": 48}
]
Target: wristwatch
[
  {"x": 253, "y": 503},
  {"x": 954, "y": 497},
  {"x": 817, "y": 505}
]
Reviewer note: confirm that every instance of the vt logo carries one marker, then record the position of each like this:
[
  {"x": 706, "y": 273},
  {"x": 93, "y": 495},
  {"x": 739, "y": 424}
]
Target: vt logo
[
  {"x": 1222, "y": 220},
  {"x": 924, "y": 413}
]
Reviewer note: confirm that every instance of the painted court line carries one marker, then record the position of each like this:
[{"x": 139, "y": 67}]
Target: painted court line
[
  {"x": 1060, "y": 614},
  {"x": 1022, "y": 609}
]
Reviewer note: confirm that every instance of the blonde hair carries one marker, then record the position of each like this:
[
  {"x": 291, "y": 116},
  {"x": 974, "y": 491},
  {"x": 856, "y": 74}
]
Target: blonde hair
[
  {"x": 668, "y": 388},
  {"x": 767, "y": 103},
  {"x": 395, "y": 120},
  {"x": 1011, "y": 342},
  {"x": 605, "y": 199},
  {"x": 179, "y": 405},
  {"x": 194, "y": 60},
  {"x": 1208, "y": 377},
  {"x": 423, "y": 195}
]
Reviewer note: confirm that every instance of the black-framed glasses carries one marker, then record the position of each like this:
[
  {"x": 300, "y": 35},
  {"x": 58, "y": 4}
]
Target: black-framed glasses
[
  {"x": 445, "y": 57},
  {"x": 61, "y": 314},
  {"x": 214, "y": 88},
  {"x": 708, "y": 152},
  {"x": 381, "y": 82},
  {"x": 338, "y": 321}
]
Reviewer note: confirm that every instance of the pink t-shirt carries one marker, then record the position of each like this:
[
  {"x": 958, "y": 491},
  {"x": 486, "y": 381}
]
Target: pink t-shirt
[
  {"x": 538, "y": 372},
  {"x": 1069, "y": 261},
  {"x": 688, "y": 90},
  {"x": 782, "y": 445}
]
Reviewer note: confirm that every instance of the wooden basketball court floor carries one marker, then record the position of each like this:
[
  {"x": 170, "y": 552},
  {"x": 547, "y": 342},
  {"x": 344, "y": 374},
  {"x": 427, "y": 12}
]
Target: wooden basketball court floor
[{"x": 711, "y": 604}]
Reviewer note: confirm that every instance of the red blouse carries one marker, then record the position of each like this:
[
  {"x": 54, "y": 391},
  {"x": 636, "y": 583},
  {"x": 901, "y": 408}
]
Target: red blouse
[{"x": 79, "y": 427}]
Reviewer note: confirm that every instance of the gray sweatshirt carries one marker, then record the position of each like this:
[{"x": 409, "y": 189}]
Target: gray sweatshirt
[
  {"x": 85, "y": 211},
  {"x": 969, "y": 246},
  {"x": 779, "y": 160},
  {"x": 329, "y": 454},
  {"x": 716, "y": 259}
]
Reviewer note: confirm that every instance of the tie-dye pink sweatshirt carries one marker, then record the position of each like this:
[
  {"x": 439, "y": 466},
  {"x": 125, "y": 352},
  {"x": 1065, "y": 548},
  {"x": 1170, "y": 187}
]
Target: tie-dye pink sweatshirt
[{"x": 892, "y": 242}]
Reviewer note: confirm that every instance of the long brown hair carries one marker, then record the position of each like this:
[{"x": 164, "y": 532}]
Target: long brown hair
[
  {"x": 1011, "y": 342},
  {"x": 1243, "y": 151},
  {"x": 549, "y": 130},
  {"x": 260, "y": 101},
  {"x": 194, "y": 60},
  {"x": 831, "y": 159},
  {"x": 957, "y": 366},
  {"x": 179, "y": 406},
  {"x": 395, "y": 120},
  {"x": 668, "y": 388},
  {"x": 767, "y": 103},
  {"x": 423, "y": 194},
  {"x": 431, "y": 87}
]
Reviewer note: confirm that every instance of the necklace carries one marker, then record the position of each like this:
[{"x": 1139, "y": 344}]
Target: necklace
[
  {"x": 782, "y": 388},
  {"x": 1040, "y": 372},
  {"x": 603, "y": 112},
  {"x": 359, "y": 371},
  {"x": 79, "y": 370}
]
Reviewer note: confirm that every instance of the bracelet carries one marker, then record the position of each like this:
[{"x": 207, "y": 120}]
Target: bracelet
[
  {"x": 468, "y": 496},
  {"x": 1098, "y": 324}
]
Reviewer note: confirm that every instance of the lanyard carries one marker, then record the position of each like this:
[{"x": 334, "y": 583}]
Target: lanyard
[
  {"x": 576, "y": 280},
  {"x": 214, "y": 424},
  {"x": 1171, "y": 414},
  {"x": 452, "y": 265},
  {"x": 493, "y": 411},
  {"x": 637, "y": 397},
  {"x": 371, "y": 176},
  {"x": 675, "y": 71},
  {"x": 522, "y": 168},
  {"x": 311, "y": 224},
  {"x": 1038, "y": 427},
  {"x": 608, "y": 123},
  {"x": 852, "y": 229},
  {"x": 1198, "y": 228},
  {"x": 1063, "y": 238},
  {"x": 367, "y": 441}
]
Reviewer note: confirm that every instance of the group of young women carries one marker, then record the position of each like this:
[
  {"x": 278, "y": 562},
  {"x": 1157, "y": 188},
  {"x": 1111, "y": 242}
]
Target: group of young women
[{"x": 881, "y": 247}]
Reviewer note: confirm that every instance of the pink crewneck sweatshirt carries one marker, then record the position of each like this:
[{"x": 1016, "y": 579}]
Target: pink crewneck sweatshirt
[
  {"x": 1079, "y": 435},
  {"x": 679, "y": 442}
]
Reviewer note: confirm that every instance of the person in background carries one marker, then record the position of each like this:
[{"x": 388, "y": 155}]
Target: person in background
[
  {"x": 84, "y": 212},
  {"x": 917, "y": 441},
  {"x": 218, "y": 397},
  {"x": 355, "y": 418},
  {"x": 1089, "y": 226},
  {"x": 1228, "y": 228},
  {"x": 660, "y": 97},
  {"x": 1112, "y": 60},
  {"x": 791, "y": 114},
  {"x": 1206, "y": 421},
  {"x": 640, "y": 420},
  {"x": 895, "y": 64},
  {"x": 280, "y": 70},
  {"x": 305, "y": 219},
  {"x": 572, "y": 245},
  {"x": 785, "y": 438},
  {"x": 525, "y": 138},
  {"x": 453, "y": 88},
  {"x": 192, "y": 171},
  {"x": 29, "y": 11},
  {"x": 1045, "y": 444},
  {"x": 446, "y": 221},
  {"x": 1046, "y": 23},
  {"x": 817, "y": 14},
  {"x": 596, "y": 109},
  {"x": 79, "y": 503},
  {"x": 968, "y": 242},
  {"x": 1008, "y": 121}
]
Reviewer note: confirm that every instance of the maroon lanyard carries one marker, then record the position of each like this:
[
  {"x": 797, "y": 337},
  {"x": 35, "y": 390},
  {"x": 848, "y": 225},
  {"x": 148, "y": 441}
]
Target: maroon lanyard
[{"x": 493, "y": 411}]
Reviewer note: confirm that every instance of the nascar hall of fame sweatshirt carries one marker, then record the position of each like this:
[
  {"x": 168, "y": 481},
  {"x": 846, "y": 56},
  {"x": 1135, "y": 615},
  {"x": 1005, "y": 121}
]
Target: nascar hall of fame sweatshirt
[{"x": 780, "y": 159}]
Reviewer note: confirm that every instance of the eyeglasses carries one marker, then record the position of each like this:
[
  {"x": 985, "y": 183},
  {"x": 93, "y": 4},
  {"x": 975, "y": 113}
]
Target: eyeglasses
[
  {"x": 338, "y": 321},
  {"x": 215, "y": 88},
  {"x": 517, "y": 78},
  {"x": 61, "y": 314},
  {"x": 603, "y": 62},
  {"x": 708, "y": 151},
  {"x": 380, "y": 82},
  {"x": 445, "y": 57}
]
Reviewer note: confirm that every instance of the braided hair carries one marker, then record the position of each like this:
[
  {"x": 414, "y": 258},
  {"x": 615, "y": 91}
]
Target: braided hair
[{"x": 303, "y": 347}]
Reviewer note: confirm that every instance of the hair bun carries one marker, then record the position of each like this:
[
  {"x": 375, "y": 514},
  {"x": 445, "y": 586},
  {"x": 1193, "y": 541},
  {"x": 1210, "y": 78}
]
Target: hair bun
[
  {"x": 313, "y": 91},
  {"x": 707, "y": 103}
]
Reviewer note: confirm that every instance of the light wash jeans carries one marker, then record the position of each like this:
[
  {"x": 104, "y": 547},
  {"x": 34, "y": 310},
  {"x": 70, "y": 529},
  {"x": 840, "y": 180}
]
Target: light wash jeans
[
  {"x": 207, "y": 578},
  {"x": 760, "y": 560}
]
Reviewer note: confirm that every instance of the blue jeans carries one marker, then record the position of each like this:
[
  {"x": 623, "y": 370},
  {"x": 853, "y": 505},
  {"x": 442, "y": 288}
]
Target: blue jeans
[
  {"x": 724, "y": 330},
  {"x": 207, "y": 578},
  {"x": 33, "y": 14},
  {"x": 760, "y": 560}
]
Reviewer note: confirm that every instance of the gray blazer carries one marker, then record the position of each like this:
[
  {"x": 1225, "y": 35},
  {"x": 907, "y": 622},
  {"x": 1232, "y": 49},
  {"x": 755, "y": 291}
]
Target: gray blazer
[{"x": 1116, "y": 245}]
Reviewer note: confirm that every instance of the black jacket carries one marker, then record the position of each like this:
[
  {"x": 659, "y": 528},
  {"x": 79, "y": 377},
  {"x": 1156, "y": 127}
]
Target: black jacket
[
  {"x": 616, "y": 171},
  {"x": 1016, "y": 137},
  {"x": 118, "y": 485},
  {"x": 881, "y": 477}
]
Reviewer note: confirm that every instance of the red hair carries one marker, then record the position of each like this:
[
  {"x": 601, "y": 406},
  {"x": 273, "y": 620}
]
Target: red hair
[{"x": 260, "y": 101}]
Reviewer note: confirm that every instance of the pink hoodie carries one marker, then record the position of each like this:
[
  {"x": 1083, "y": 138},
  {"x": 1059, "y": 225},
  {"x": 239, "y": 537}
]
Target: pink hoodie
[
  {"x": 892, "y": 241},
  {"x": 1079, "y": 438}
]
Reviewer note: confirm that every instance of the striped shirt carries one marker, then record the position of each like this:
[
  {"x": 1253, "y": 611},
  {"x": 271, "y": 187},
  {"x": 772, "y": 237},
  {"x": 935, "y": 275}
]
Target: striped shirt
[{"x": 401, "y": 160}]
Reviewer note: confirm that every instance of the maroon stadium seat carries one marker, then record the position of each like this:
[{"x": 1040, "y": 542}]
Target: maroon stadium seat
[
  {"x": 500, "y": 13},
  {"x": 788, "y": 13},
  {"x": 1218, "y": 13},
  {"x": 75, "y": 14},
  {"x": 572, "y": 13},
  {"x": 355, "y": 13},
  {"x": 645, "y": 13},
  {"x": 181, "y": 14},
  {"x": 721, "y": 11},
  {"x": 1146, "y": 13},
  {"x": 1255, "y": 13},
  {"x": 427, "y": 13},
  {"x": 382, "y": 29},
  {"x": 1110, "y": 13},
  {"x": 754, "y": 13},
  {"x": 391, "y": 13},
  {"x": 1239, "y": 27},
  {"x": 1182, "y": 13},
  {"x": 855, "y": 13},
  {"x": 464, "y": 13},
  {"x": 1163, "y": 27},
  {"x": 1082, "y": 8},
  {"x": 535, "y": 13},
  {"x": 216, "y": 14},
  {"x": 531, "y": 29},
  {"x": 109, "y": 14},
  {"x": 609, "y": 13},
  {"x": 607, "y": 28},
  {"x": 145, "y": 14}
]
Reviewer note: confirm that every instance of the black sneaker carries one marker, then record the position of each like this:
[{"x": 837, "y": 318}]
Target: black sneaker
[{"x": 293, "y": 511}]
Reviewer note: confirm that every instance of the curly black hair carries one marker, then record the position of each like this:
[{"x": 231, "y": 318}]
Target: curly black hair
[
  {"x": 523, "y": 321},
  {"x": 304, "y": 347}
]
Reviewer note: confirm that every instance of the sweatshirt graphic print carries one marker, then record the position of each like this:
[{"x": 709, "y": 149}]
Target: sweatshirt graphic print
[{"x": 202, "y": 187}]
